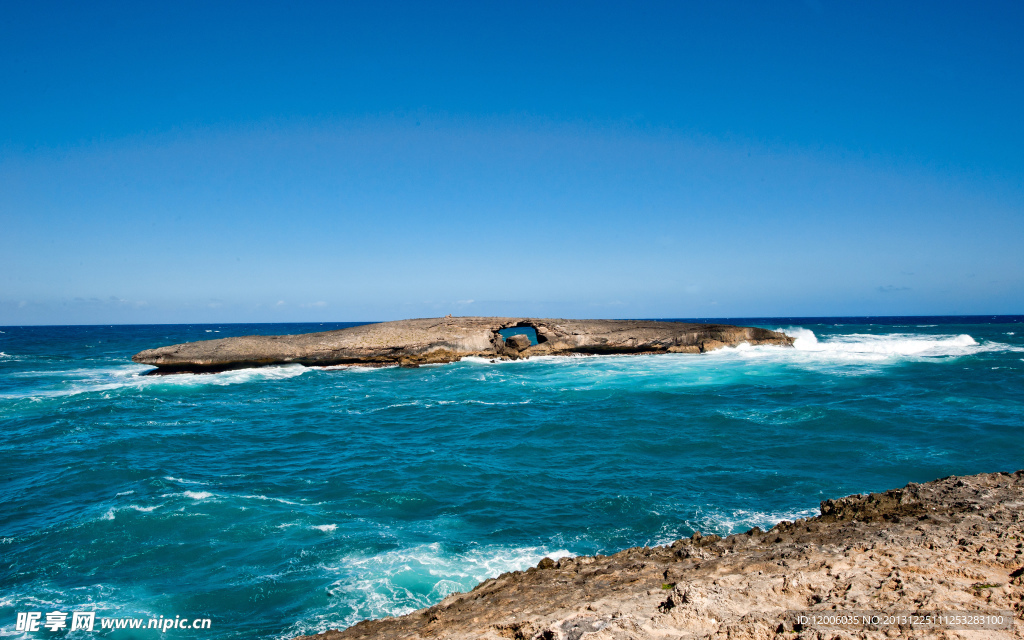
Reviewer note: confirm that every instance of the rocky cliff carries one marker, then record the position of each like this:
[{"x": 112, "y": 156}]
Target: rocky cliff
[
  {"x": 438, "y": 340},
  {"x": 953, "y": 545}
]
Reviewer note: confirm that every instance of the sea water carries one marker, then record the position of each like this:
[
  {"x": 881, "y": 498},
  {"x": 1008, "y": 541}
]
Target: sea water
[{"x": 289, "y": 500}]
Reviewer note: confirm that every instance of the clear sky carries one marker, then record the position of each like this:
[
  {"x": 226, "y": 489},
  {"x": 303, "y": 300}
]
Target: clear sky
[{"x": 344, "y": 161}]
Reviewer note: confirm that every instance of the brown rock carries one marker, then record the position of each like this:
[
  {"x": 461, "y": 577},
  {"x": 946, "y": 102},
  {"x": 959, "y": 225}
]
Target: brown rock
[
  {"x": 440, "y": 340},
  {"x": 518, "y": 342}
]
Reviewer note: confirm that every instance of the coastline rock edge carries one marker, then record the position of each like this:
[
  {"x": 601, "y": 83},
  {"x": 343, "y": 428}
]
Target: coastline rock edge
[
  {"x": 951, "y": 545},
  {"x": 441, "y": 340}
]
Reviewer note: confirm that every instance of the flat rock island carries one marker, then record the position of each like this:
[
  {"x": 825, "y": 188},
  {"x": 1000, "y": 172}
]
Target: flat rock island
[{"x": 440, "y": 340}]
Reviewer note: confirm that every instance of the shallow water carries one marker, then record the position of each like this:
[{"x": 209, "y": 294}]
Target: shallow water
[{"x": 288, "y": 500}]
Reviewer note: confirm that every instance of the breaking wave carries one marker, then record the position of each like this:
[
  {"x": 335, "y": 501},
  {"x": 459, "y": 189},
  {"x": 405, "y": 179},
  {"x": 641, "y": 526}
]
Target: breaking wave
[
  {"x": 400, "y": 581},
  {"x": 869, "y": 348},
  {"x": 887, "y": 345},
  {"x": 63, "y": 383}
]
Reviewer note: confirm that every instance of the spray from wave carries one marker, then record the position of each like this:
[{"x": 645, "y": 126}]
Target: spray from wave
[
  {"x": 886, "y": 345},
  {"x": 402, "y": 580}
]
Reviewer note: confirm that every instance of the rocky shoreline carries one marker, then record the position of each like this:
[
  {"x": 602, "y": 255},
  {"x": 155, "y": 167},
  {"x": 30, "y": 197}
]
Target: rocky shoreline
[
  {"x": 952, "y": 545},
  {"x": 411, "y": 343}
]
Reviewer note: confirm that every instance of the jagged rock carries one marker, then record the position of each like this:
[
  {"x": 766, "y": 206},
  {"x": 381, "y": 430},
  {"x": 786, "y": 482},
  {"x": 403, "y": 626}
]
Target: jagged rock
[
  {"x": 949, "y": 545},
  {"x": 439, "y": 340}
]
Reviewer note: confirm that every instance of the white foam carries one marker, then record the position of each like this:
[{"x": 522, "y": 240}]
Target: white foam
[
  {"x": 198, "y": 495},
  {"x": 326, "y": 528},
  {"x": 182, "y": 480},
  {"x": 481, "y": 360},
  {"x": 111, "y": 513},
  {"x": 403, "y": 580},
  {"x": 126, "y": 493},
  {"x": 741, "y": 520},
  {"x": 44, "y": 595},
  {"x": 866, "y": 348},
  {"x": 262, "y": 497},
  {"x": 77, "y": 381},
  {"x": 886, "y": 345}
]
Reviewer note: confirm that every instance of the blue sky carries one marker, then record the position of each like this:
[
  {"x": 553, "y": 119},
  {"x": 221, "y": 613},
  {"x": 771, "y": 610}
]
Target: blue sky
[{"x": 261, "y": 162}]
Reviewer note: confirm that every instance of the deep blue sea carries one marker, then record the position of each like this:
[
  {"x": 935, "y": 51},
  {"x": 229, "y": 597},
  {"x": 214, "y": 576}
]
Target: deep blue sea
[{"x": 289, "y": 500}]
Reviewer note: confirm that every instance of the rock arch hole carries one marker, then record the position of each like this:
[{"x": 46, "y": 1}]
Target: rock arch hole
[{"x": 525, "y": 330}]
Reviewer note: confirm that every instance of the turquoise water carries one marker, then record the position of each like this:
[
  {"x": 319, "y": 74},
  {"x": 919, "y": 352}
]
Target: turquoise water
[{"x": 289, "y": 500}]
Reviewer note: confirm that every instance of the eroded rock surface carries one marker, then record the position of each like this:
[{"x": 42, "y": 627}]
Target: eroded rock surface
[
  {"x": 950, "y": 545},
  {"x": 438, "y": 340}
]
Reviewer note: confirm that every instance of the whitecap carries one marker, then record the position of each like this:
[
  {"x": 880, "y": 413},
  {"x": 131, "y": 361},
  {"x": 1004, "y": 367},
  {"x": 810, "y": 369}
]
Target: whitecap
[
  {"x": 262, "y": 497},
  {"x": 198, "y": 495},
  {"x": 182, "y": 480},
  {"x": 326, "y": 528},
  {"x": 126, "y": 493}
]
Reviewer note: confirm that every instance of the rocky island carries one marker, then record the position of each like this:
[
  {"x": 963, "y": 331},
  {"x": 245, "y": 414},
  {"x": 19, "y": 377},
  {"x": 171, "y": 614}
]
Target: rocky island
[
  {"x": 441, "y": 340},
  {"x": 951, "y": 547}
]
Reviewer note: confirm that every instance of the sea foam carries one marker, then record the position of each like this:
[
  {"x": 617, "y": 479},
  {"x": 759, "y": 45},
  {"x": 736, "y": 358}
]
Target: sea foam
[
  {"x": 72, "y": 382},
  {"x": 402, "y": 580},
  {"x": 879, "y": 347}
]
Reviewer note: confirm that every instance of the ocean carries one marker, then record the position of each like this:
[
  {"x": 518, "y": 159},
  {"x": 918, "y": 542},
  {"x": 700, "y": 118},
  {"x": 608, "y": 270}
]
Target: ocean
[{"x": 288, "y": 500}]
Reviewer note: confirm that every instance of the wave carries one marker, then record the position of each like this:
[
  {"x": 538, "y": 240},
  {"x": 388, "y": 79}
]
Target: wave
[
  {"x": 71, "y": 382},
  {"x": 862, "y": 347},
  {"x": 740, "y": 520},
  {"x": 209, "y": 495},
  {"x": 183, "y": 481},
  {"x": 263, "y": 497},
  {"x": 105, "y": 600},
  {"x": 892, "y": 344},
  {"x": 111, "y": 513},
  {"x": 402, "y": 580}
]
